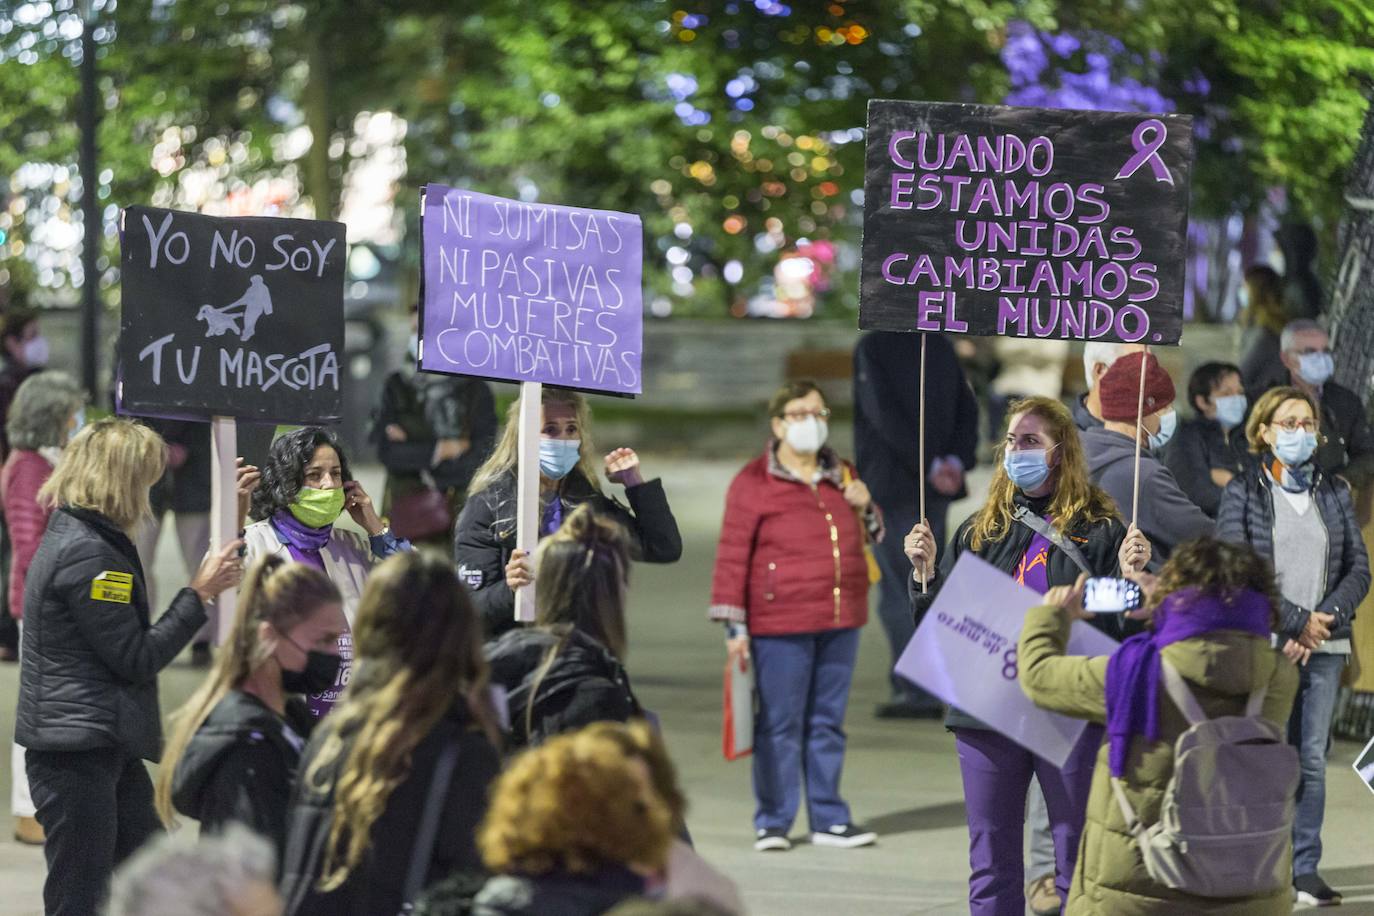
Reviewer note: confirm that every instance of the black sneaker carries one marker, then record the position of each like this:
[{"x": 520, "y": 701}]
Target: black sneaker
[
  {"x": 772, "y": 841},
  {"x": 844, "y": 836},
  {"x": 1311, "y": 890}
]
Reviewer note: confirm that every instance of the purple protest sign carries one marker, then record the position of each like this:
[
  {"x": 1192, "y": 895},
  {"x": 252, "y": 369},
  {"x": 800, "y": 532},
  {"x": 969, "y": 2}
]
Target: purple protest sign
[{"x": 530, "y": 292}]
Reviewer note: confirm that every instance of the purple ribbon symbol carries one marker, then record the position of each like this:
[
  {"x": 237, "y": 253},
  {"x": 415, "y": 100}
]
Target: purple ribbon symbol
[{"x": 1149, "y": 136}]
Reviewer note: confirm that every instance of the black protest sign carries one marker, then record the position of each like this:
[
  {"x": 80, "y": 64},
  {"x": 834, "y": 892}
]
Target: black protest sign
[
  {"x": 1025, "y": 222},
  {"x": 231, "y": 316}
]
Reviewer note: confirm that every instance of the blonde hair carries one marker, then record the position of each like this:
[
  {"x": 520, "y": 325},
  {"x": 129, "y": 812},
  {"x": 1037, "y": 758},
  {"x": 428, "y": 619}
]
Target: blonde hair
[
  {"x": 1075, "y": 499},
  {"x": 565, "y": 806},
  {"x": 108, "y": 468},
  {"x": 507, "y": 452},
  {"x": 419, "y": 651},
  {"x": 584, "y": 568},
  {"x": 275, "y": 591},
  {"x": 1262, "y": 414}
]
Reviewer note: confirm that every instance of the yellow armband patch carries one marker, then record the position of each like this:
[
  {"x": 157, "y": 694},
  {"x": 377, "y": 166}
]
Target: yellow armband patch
[{"x": 113, "y": 586}]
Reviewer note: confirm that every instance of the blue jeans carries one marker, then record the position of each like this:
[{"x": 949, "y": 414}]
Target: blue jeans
[
  {"x": 894, "y": 604},
  {"x": 803, "y": 685},
  {"x": 1309, "y": 730}
]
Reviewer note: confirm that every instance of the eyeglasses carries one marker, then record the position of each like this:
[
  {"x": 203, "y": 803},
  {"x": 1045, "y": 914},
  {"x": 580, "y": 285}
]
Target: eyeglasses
[
  {"x": 821, "y": 414},
  {"x": 1308, "y": 425}
]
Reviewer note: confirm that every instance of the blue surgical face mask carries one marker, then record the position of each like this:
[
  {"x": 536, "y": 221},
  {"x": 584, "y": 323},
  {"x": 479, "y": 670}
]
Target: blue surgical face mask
[
  {"x": 80, "y": 417},
  {"x": 1167, "y": 424},
  {"x": 1231, "y": 409},
  {"x": 1294, "y": 446},
  {"x": 557, "y": 457},
  {"x": 1316, "y": 368},
  {"x": 1027, "y": 468}
]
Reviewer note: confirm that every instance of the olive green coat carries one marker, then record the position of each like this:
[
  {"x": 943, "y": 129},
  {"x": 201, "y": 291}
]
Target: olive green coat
[{"x": 1222, "y": 669}]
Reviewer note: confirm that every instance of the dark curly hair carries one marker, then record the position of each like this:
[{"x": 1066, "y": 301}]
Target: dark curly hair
[
  {"x": 1218, "y": 568},
  {"x": 284, "y": 474}
]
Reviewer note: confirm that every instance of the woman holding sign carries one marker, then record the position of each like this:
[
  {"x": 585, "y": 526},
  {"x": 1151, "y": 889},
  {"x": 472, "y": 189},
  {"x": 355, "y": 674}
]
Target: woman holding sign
[
  {"x": 1044, "y": 524},
  {"x": 484, "y": 541},
  {"x": 306, "y": 487}
]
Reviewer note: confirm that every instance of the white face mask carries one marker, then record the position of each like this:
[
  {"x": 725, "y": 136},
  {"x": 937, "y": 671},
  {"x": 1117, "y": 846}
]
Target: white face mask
[
  {"x": 807, "y": 436},
  {"x": 36, "y": 351}
]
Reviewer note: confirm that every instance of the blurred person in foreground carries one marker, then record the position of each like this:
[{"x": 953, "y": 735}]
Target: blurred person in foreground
[
  {"x": 47, "y": 411},
  {"x": 229, "y": 874},
  {"x": 1209, "y": 615},
  {"x": 236, "y": 743},
  {"x": 1043, "y": 524},
  {"x": 1303, "y": 521},
  {"x": 887, "y": 416},
  {"x": 417, "y": 709},
  {"x": 1202, "y": 455},
  {"x": 306, "y": 487},
  {"x": 432, "y": 432},
  {"x": 791, "y": 586},
  {"x": 568, "y": 669},
  {"x": 1165, "y": 514},
  {"x": 484, "y": 549},
  {"x": 88, "y": 702},
  {"x": 575, "y": 827}
]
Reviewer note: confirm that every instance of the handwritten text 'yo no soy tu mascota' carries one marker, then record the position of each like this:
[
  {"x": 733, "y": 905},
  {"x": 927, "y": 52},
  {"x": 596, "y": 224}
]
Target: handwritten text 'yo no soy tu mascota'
[
  {"x": 533, "y": 289},
  {"x": 241, "y": 367},
  {"x": 1044, "y": 246}
]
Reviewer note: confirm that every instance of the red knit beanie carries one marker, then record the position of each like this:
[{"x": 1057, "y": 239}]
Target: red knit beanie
[{"x": 1119, "y": 388}]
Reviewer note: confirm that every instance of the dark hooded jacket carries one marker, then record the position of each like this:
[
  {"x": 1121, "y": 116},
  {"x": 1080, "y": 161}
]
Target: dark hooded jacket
[
  {"x": 240, "y": 765},
  {"x": 584, "y": 684},
  {"x": 484, "y": 536}
]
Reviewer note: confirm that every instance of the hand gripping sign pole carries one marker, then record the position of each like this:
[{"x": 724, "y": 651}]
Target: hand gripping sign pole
[
  {"x": 224, "y": 511},
  {"x": 527, "y": 490}
]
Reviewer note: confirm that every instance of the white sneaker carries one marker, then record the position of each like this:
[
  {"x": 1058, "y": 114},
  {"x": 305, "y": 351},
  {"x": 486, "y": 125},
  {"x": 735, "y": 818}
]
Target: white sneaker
[{"x": 844, "y": 836}]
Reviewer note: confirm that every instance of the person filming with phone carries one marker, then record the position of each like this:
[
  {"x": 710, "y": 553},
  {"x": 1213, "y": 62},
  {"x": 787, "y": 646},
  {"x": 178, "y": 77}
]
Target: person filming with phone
[
  {"x": 1192, "y": 792},
  {"x": 1044, "y": 524}
]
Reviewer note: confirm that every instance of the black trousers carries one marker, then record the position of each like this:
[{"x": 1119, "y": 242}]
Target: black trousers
[{"x": 96, "y": 808}]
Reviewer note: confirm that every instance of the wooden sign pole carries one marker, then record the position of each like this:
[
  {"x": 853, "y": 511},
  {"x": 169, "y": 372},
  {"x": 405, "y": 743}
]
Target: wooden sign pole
[
  {"x": 527, "y": 489},
  {"x": 921, "y": 458},
  {"x": 1139, "y": 420},
  {"x": 224, "y": 509}
]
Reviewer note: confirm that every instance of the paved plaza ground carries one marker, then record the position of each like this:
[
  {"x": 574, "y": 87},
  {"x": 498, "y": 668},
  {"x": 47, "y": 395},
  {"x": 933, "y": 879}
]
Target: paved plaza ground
[{"x": 901, "y": 778}]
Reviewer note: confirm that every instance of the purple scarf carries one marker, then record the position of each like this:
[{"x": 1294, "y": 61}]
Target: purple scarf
[
  {"x": 302, "y": 542},
  {"x": 1134, "y": 673}
]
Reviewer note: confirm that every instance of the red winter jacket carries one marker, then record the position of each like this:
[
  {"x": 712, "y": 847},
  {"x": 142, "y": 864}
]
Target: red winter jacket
[
  {"x": 23, "y": 474},
  {"x": 791, "y": 556}
]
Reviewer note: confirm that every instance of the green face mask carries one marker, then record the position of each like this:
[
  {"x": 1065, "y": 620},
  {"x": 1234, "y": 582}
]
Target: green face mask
[{"x": 317, "y": 508}]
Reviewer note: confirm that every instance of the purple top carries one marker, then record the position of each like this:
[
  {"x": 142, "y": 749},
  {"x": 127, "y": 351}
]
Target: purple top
[
  {"x": 1034, "y": 571},
  {"x": 1134, "y": 673}
]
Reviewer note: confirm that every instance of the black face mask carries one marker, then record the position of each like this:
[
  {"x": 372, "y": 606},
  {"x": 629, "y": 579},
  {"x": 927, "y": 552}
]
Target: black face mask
[{"x": 320, "y": 672}]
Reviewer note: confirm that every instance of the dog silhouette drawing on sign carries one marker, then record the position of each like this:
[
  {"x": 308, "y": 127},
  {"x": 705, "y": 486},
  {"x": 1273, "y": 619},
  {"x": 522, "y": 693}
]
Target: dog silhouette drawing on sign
[
  {"x": 218, "y": 321},
  {"x": 255, "y": 302}
]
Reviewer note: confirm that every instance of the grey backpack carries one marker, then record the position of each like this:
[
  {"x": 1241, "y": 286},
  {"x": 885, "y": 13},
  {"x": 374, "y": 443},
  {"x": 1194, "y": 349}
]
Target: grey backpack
[{"x": 1226, "y": 821}]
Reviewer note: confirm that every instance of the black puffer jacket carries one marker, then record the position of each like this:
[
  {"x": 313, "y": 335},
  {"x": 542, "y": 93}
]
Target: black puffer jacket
[
  {"x": 484, "y": 537},
  {"x": 375, "y": 887},
  {"x": 1247, "y": 517},
  {"x": 558, "y": 894},
  {"x": 585, "y": 683},
  {"x": 240, "y": 765},
  {"x": 88, "y": 678},
  {"x": 1098, "y": 542}
]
